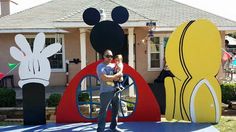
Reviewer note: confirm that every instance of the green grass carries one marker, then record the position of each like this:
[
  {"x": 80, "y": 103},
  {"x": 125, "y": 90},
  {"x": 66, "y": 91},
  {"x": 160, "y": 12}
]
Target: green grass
[
  {"x": 2, "y": 123},
  {"x": 227, "y": 124}
]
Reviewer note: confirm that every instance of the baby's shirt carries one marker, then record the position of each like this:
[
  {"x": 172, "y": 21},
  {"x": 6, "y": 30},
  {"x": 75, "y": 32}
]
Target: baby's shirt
[{"x": 118, "y": 67}]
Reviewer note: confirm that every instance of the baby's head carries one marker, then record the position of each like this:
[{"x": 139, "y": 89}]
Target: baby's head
[{"x": 118, "y": 58}]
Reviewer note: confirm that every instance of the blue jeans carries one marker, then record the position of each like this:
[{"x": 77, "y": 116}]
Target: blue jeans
[{"x": 106, "y": 98}]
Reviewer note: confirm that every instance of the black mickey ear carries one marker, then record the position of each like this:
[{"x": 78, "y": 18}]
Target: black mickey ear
[
  {"x": 91, "y": 16},
  {"x": 120, "y": 14}
]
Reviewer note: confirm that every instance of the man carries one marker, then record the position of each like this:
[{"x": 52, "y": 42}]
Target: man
[{"x": 107, "y": 94}]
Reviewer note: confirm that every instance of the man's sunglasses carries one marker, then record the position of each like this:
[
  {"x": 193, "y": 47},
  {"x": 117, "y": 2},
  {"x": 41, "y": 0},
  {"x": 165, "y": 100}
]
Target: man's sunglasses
[{"x": 109, "y": 56}]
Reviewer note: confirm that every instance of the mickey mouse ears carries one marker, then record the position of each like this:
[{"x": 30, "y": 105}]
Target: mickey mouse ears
[
  {"x": 120, "y": 14},
  {"x": 91, "y": 16}
]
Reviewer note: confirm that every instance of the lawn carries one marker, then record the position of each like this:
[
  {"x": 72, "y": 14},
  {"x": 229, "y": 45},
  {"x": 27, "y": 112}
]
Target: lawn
[
  {"x": 227, "y": 124},
  {"x": 2, "y": 123}
]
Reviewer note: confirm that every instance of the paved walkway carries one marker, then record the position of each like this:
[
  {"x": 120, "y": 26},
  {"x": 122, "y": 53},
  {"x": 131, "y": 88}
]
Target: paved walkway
[{"x": 127, "y": 127}]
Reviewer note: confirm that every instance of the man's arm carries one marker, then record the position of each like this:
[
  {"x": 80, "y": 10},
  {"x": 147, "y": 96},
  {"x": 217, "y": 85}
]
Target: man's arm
[{"x": 110, "y": 78}]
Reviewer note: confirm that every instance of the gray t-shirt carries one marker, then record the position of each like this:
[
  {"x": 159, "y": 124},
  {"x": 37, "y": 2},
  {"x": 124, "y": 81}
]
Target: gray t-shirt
[{"x": 106, "y": 69}]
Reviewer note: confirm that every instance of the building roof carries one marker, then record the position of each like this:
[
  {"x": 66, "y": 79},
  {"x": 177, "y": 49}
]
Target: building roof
[{"x": 57, "y": 14}]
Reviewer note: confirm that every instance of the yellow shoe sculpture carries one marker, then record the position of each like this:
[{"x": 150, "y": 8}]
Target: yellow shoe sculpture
[{"x": 193, "y": 54}]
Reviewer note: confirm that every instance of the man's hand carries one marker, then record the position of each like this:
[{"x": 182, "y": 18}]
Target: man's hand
[
  {"x": 111, "y": 78},
  {"x": 117, "y": 76}
]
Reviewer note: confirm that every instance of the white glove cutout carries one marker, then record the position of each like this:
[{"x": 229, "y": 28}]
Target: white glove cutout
[{"x": 34, "y": 66}]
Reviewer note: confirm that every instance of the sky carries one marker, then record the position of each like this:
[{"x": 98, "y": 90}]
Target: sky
[
  {"x": 224, "y": 8},
  {"x": 24, "y": 4}
]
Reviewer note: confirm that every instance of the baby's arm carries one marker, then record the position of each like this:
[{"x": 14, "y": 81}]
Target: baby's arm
[
  {"x": 120, "y": 70},
  {"x": 120, "y": 67}
]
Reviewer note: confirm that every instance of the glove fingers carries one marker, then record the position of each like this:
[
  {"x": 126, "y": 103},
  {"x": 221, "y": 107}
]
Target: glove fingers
[
  {"x": 36, "y": 66},
  {"x": 51, "y": 49},
  {"x": 39, "y": 43},
  {"x": 16, "y": 53},
  {"x": 23, "y": 44},
  {"x": 30, "y": 66}
]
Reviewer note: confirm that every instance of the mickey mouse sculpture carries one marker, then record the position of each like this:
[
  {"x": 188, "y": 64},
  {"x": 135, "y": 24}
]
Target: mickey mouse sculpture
[
  {"x": 34, "y": 66},
  {"x": 193, "y": 54},
  {"x": 34, "y": 72},
  {"x": 107, "y": 34}
]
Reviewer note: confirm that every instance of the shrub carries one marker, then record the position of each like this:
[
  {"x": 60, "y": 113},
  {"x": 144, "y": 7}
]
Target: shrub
[
  {"x": 130, "y": 106},
  {"x": 7, "y": 97},
  {"x": 228, "y": 92},
  {"x": 83, "y": 97},
  {"x": 54, "y": 100}
]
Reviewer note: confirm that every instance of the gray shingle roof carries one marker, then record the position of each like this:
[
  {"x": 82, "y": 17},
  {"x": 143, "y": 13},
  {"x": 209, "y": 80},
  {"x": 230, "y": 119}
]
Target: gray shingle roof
[
  {"x": 167, "y": 13},
  {"x": 107, "y": 5}
]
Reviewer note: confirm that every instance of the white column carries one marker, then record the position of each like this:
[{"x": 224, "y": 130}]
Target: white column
[
  {"x": 131, "y": 57},
  {"x": 83, "y": 54},
  {"x": 83, "y": 47},
  {"x": 131, "y": 46}
]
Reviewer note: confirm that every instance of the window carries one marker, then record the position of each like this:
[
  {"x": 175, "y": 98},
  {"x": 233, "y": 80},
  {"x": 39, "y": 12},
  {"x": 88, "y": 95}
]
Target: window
[
  {"x": 156, "y": 47},
  {"x": 88, "y": 100},
  {"x": 165, "y": 41},
  {"x": 57, "y": 60}
]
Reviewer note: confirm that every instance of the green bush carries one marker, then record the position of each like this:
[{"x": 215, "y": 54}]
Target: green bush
[
  {"x": 83, "y": 97},
  {"x": 228, "y": 92},
  {"x": 130, "y": 106},
  {"x": 54, "y": 100},
  {"x": 7, "y": 97}
]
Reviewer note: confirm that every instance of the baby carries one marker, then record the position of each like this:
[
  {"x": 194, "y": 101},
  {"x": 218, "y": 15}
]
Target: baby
[{"x": 118, "y": 68}]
